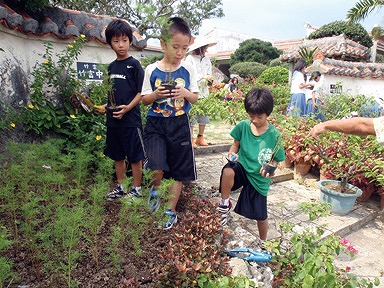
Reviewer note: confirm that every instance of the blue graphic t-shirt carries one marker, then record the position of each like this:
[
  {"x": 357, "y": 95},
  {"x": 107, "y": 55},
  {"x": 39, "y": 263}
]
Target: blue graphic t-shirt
[{"x": 184, "y": 75}]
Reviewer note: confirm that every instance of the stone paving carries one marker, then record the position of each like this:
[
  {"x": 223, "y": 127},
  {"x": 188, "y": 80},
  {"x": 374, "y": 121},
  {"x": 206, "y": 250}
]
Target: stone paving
[{"x": 363, "y": 225}]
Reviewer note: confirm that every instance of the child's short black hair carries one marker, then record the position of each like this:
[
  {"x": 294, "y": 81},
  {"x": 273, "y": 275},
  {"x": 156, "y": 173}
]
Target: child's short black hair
[
  {"x": 259, "y": 101},
  {"x": 173, "y": 26},
  {"x": 118, "y": 28}
]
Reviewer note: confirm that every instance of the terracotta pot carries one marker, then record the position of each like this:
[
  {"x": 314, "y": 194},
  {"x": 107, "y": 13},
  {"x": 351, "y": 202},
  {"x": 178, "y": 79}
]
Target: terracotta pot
[
  {"x": 367, "y": 193},
  {"x": 287, "y": 163},
  {"x": 326, "y": 176},
  {"x": 302, "y": 168}
]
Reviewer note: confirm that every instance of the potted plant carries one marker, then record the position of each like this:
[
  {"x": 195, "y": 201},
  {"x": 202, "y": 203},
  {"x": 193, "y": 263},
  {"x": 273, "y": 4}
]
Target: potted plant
[
  {"x": 340, "y": 194},
  {"x": 299, "y": 148},
  {"x": 270, "y": 165},
  {"x": 169, "y": 83},
  {"x": 112, "y": 106}
]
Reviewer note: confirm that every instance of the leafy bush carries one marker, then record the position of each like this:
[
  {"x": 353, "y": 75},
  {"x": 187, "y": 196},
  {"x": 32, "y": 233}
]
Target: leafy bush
[
  {"x": 278, "y": 62},
  {"x": 196, "y": 250},
  {"x": 353, "y": 31},
  {"x": 342, "y": 105},
  {"x": 274, "y": 75},
  {"x": 304, "y": 258},
  {"x": 254, "y": 50},
  {"x": 54, "y": 106},
  {"x": 247, "y": 69}
]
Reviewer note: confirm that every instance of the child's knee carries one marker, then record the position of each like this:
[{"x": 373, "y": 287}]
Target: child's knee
[{"x": 228, "y": 172}]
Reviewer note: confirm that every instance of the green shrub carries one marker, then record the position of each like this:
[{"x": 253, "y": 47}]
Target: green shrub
[
  {"x": 247, "y": 69},
  {"x": 254, "y": 50},
  {"x": 277, "y": 62},
  {"x": 276, "y": 75},
  {"x": 353, "y": 31},
  {"x": 336, "y": 106},
  {"x": 54, "y": 106}
]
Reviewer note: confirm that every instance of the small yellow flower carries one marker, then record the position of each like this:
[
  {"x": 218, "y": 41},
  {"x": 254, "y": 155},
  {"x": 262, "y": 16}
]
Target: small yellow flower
[
  {"x": 98, "y": 137},
  {"x": 74, "y": 41},
  {"x": 46, "y": 61},
  {"x": 70, "y": 46},
  {"x": 13, "y": 125},
  {"x": 30, "y": 106},
  {"x": 72, "y": 116},
  {"x": 101, "y": 155},
  {"x": 82, "y": 36}
]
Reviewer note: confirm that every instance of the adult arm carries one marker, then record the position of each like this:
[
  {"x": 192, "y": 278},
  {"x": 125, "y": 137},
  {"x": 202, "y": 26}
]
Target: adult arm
[{"x": 355, "y": 125}]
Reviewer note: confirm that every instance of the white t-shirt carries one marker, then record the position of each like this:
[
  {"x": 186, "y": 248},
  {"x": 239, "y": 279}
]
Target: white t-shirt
[
  {"x": 378, "y": 124},
  {"x": 297, "y": 79},
  {"x": 203, "y": 68}
]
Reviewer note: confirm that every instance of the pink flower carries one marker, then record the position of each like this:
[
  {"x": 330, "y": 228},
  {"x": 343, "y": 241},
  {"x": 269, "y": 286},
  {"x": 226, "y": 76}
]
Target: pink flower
[
  {"x": 46, "y": 167},
  {"x": 347, "y": 269},
  {"x": 352, "y": 249},
  {"x": 344, "y": 241}
]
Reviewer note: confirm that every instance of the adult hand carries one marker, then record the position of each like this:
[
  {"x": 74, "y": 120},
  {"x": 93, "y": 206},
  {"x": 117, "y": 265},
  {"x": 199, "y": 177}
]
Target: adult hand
[{"x": 317, "y": 130}]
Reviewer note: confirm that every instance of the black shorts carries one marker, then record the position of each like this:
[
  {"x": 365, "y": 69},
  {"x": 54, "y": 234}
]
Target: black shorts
[
  {"x": 125, "y": 143},
  {"x": 169, "y": 147},
  {"x": 251, "y": 204}
]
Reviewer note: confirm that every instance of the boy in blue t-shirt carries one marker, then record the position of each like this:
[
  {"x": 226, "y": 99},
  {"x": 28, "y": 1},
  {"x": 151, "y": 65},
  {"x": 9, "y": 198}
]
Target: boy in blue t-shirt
[
  {"x": 255, "y": 141},
  {"x": 124, "y": 127},
  {"x": 167, "y": 134}
]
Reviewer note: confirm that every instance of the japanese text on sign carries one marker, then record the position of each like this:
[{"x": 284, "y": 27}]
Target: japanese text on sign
[{"x": 89, "y": 71}]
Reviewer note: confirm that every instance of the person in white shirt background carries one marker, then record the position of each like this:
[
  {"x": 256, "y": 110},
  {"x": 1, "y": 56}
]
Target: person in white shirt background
[{"x": 197, "y": 57}]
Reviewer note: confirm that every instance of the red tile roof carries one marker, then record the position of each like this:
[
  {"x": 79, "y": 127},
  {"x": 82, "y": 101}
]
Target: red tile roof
[
  {"x": 329, "y": 66},
  {"x": 63, "y": 24},
  {"x": 336, "y": 47}
]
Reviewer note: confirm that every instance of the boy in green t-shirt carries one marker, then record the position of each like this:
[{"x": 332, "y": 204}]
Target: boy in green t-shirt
[{"x": 254, "y": 143}]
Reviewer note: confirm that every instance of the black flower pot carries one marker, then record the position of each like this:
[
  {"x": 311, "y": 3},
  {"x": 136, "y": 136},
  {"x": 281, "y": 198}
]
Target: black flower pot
[
  {"x": 269, "y": 168},
  {"x": 169, "y": 86}
]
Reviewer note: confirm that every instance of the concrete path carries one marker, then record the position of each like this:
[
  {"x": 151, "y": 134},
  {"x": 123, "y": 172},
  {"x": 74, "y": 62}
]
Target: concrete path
[{"x": 363, "y": 226}]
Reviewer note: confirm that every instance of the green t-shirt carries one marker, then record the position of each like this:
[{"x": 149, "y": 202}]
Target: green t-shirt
[{"x": 254, "y": 151}]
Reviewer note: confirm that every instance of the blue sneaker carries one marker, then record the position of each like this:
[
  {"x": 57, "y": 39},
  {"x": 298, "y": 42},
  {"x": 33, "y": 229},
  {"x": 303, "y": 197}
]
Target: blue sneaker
[
  {"x": 172, "y": 220},
  {"x": 153, "y": 200}
]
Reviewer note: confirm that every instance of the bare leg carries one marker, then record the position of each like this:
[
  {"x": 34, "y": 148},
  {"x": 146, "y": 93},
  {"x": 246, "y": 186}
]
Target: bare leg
[
  {"x": 227, "y": 181},
  {"x": 157, "y": 177},
  {"x": 263, "y": 229},
  {"x": 120, "y": 169},
  {"x": 137, "y": 173},
  {"x": 201, "y": 129},
  {"x": 175, "y": 194}
]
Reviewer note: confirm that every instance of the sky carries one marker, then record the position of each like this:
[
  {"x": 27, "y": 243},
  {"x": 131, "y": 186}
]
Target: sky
[{"x": 273, "y": 20}]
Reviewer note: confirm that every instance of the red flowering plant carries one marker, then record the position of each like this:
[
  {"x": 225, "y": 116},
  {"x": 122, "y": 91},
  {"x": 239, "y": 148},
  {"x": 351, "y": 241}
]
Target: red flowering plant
[
  {"x": 353, "y": 159},
  {"x": 299, "y": 147}
]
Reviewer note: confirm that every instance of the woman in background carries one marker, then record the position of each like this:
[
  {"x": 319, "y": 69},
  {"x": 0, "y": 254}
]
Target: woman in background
[{"x": 297, "y": 104}]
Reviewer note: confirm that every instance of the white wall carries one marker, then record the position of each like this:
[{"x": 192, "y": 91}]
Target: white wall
[
  {"x": 355, "y": 86},
  {"x": 22, "y": 53}
]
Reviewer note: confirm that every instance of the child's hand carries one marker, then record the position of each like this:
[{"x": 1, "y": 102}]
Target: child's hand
[
  {"x": 264, "y": 174},
  {"x": 101, "y": 109},
  {"x": 121, "y": 112},
  {"x": 162, "y": 92},
  {"x": 232, "y": 157}
]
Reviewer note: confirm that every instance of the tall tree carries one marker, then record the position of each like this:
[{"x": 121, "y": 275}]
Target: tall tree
[
  {"x": 148, "y": 16},
  {"x": 362, "y": 9},
  {"x": 254, "y": 50}
]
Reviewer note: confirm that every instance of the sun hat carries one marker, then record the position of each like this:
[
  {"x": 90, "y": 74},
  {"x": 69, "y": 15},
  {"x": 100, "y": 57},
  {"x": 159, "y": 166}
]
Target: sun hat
[{"x": 200, "y": 41}]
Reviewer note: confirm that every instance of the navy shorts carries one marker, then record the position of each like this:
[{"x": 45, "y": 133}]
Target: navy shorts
[
  {"x": 125, "y": 143},
  {"x": 169, "y": 147},
  {"x": 251, "y": 204}
]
